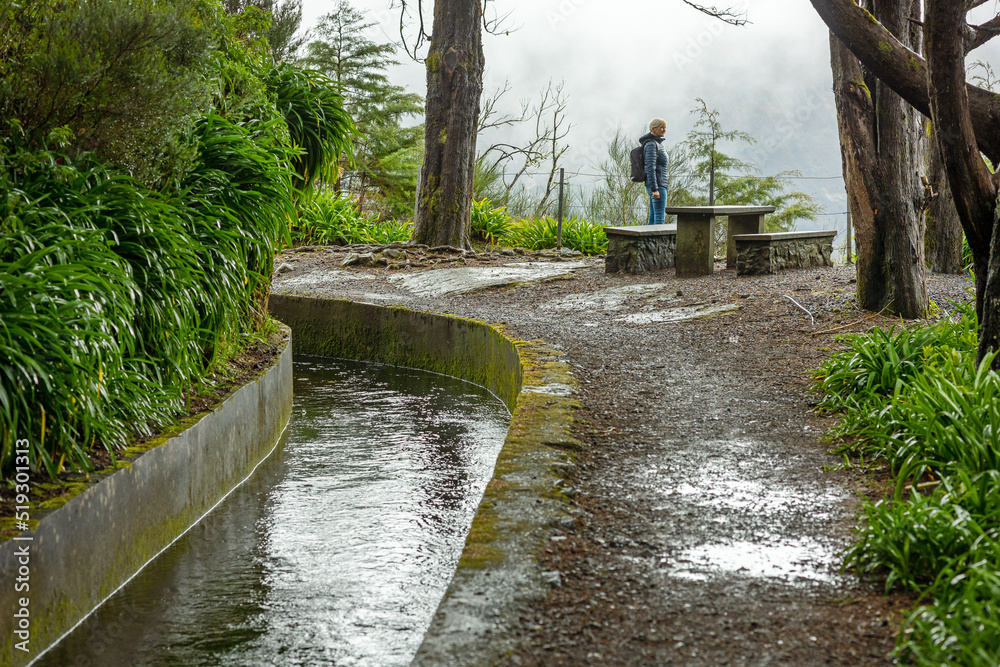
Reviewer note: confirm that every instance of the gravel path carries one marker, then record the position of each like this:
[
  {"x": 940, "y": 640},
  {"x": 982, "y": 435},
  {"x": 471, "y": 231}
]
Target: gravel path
[{"x": 710, "y": 513}]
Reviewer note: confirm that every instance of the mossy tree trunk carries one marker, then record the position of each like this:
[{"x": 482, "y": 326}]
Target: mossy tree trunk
[
  {"x": 943, "y": 238},
  {"x": 973, "y": 186},
  {"x": 965, "y": 123},
  {"x": 880, "y": 148},
  {"x": 454, "y": 85}
]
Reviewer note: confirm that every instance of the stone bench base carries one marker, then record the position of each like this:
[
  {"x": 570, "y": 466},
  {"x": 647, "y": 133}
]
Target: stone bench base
[
  {"x": 640, "y": 248},
  {"x": 761, "y": 254}
]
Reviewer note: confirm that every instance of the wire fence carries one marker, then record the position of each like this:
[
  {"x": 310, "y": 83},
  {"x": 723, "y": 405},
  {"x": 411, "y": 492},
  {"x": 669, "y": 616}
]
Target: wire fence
[{"x": 836, "y": 220}]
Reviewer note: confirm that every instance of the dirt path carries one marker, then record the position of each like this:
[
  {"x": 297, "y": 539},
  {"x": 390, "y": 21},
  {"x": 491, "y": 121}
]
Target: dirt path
[{"x": 708, "y": 526}]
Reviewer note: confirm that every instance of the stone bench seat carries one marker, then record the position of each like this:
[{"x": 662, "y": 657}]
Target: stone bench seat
[
  {"x": 764, "y": 254},
  {"x": 640, "y": 248}
]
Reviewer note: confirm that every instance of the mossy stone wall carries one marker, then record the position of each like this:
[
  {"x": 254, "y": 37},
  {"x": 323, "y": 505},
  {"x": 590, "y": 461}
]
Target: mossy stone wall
[
  {"x": 454, "y": 346},
  {"x": 82, "y": 552}
]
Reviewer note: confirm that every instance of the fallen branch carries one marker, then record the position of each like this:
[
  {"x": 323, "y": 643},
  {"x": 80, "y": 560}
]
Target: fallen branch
[
  {"x": 922, "y": 485},
  {"x": 850, "y": 324},
  {"x": 812, "y": 320}
]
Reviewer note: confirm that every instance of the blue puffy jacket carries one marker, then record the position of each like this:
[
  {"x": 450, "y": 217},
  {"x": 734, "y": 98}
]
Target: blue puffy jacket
[{"x": 655, "y": 158}]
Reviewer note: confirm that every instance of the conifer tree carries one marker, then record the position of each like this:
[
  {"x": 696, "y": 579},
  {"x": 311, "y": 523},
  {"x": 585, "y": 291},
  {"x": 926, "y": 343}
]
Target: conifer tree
[{"x": 386, "y": 154}]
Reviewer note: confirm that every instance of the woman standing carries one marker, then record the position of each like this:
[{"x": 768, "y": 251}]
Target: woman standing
[{"x": 655, "y": 159}]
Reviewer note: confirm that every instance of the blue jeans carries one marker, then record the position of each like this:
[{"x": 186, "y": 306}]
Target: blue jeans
[{"x": 657, "y": 216}]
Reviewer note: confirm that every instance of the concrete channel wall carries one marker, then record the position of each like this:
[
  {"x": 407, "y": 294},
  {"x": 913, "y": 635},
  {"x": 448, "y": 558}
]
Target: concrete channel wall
[
  {"x": 498, "y": 573},
  {"x": 83, "y": 551}
]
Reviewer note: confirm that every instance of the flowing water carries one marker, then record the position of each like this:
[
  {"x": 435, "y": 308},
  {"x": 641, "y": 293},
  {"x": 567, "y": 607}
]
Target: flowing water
[{"x": 335, "y": 552}]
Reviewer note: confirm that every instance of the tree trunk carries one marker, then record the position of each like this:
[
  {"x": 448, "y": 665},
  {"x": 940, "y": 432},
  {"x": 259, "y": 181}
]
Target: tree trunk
[
  {"x": 943, "y": 238},
  {"x": 905, "y": 71},
  {"x": 879, "y": 148},
  {"x": 965, "y": 123},
  {"x": 855, "y": 123},
  {"x": 454, "y": 85},
  {"x": 974, "y": 188}
]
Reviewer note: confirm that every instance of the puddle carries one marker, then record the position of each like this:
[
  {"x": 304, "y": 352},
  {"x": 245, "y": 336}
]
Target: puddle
[
  {"x": 470, "y": 279},
  {"x": 738, "y": 510},
  {"x": 679, "y": 314},
  {"x": 749, "y": 495},
  {"x": 794, "y": 560},
  {"x": 610, "y": 299}
]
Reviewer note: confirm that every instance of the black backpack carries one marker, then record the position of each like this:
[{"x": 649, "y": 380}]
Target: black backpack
[{"x": 637, "y": 158}]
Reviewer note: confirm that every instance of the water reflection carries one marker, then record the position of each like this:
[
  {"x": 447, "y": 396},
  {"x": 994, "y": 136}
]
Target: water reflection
[{"x": 339, "y": 548}]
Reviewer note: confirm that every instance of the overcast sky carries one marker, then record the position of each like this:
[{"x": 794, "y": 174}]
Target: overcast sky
[{"x": 626, "y": 61}]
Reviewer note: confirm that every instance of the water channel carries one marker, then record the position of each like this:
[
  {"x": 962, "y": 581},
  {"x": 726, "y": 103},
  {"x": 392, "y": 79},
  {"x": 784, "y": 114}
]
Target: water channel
[{"x": 335, "y": 552}]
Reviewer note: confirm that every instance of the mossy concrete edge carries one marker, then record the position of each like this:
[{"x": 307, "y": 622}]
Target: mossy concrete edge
[
  {"x": 86, "y": 549},
  {"x": 498, "y": 574}
]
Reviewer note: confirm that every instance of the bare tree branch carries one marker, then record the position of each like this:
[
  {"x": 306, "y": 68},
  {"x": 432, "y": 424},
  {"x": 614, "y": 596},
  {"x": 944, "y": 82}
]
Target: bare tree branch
[
  {"x": 730, "y": 15},
  {"x": 977, "y": 35},
  {"x": 491, "y": 24},
  {"x": 490, "y": 118}
]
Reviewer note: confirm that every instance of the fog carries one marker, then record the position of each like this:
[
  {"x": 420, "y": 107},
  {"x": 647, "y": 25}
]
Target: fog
[{"x": 627, "y": 61}]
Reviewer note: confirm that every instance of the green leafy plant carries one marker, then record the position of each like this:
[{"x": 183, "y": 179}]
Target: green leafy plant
[
  {"x": 331, "y": 219},
  {"x": 580, "y": 234},
  {"x": 114, "y": 298},
  {"x": 123, "y": 75},
  {"x": 962, "y": 628},
  {"x": 917, "y": 398},
  {"x": 488, "y": 223},
  {"x": 313, "y": 108},
  {"x": 586, "y": 236}
]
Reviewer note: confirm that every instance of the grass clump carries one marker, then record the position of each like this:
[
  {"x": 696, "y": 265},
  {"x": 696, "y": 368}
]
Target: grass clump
[
  {"x": 490, "y": 224},
  {"x": 331, "y": 219},
  {"x": 916, "y": 398},
  {"x": 586, "y": 236}
]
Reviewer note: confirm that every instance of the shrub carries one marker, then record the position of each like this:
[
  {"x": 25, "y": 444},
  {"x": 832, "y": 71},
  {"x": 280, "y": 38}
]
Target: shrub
[
  {"x": 331, "y": 219},
  {"x": 488, "y": 223},
  {"x": 918, "y": 398},
  {"x": 864, "y": 380},
  {"x": 962, "y": 628},
  {"x": 123, "y": 75},
  {"x": 579, "y": 234},
  {"x": 114, "y": 298},
  {"x": 313, "y": 108}
]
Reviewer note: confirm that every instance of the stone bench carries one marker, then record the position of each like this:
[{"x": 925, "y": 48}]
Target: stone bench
[
  {"x": 640, "y": 248},
  {"x": 761, "y": 254}
]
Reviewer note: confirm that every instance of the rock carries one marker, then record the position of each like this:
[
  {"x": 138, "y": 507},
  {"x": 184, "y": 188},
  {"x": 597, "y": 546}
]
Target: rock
[
  {"x": 357, "y": 258},
  {"x": 507, "y": 252},
  {"x": 284, "y": 268},
  {"x": 392, "y": 253},
  {"x": 566, "y": 523},
  {"x": 552, "y": 578}
]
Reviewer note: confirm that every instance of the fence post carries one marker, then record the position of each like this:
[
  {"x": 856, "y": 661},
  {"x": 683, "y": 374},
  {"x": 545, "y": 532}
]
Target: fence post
[
  {"x": 850, "y": 233},
  {"x": 562, "y": 177}
]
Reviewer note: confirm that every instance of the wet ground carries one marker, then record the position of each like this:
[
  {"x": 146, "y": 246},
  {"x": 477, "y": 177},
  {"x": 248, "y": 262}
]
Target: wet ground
[{"x": 710, "y": 515}]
